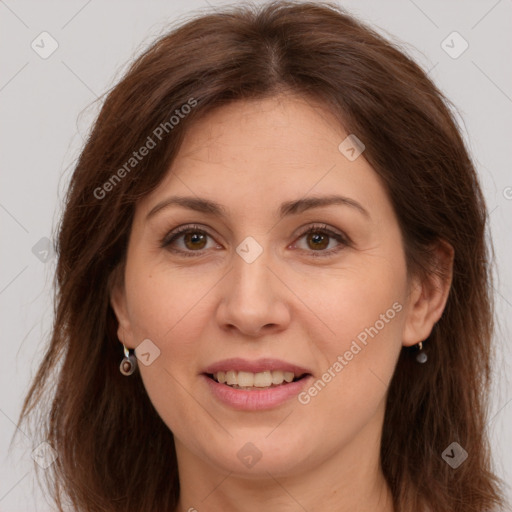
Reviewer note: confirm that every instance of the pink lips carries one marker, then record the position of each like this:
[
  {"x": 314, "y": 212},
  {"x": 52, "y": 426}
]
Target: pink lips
[{"x": 255, "y": 399}]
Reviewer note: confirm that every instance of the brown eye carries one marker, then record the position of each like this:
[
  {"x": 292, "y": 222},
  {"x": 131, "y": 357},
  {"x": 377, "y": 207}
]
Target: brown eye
[
  {"x": 193, "y": 240},
  {"x": 318, "y": 239}
]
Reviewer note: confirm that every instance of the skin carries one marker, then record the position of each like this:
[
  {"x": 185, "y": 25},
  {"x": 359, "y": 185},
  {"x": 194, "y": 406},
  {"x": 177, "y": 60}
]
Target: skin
[{"x": 251, "y": 156}]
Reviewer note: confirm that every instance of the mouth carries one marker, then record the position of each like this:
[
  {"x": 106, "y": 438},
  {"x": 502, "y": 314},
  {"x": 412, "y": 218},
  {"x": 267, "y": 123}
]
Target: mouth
[
  {"x": 250, "y": 381},
  {"x": 255, "y": 385}
]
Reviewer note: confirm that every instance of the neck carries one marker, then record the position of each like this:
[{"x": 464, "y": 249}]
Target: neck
[{"x": 227, "y": 493}]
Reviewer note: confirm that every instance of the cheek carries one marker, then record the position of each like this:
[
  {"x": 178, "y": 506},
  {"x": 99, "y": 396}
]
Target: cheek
[
  {"x": 164, "y": 307},
  {"x": 162, "y": 302},
  {"x": 362, "y": 321},
  {"x": 364, "y": 306}
]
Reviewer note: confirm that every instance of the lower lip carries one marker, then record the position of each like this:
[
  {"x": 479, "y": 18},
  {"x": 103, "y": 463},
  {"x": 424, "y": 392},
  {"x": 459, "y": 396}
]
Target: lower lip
[{"x": 256, "y": 400}]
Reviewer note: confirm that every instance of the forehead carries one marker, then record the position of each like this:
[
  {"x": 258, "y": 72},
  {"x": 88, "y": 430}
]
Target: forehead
[
  {"x": 265, "y": 152},
  {"x": 286, "y": 126}
]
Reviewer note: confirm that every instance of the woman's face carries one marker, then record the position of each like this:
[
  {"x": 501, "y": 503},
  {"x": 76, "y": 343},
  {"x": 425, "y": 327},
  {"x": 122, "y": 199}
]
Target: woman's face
[{"x": 247, "y": 284}]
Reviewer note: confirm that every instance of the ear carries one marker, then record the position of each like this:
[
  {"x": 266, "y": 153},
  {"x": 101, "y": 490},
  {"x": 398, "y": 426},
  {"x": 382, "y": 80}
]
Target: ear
[
  {"x": 119, "y": 305},
  {"x": 428, "y": 296}
]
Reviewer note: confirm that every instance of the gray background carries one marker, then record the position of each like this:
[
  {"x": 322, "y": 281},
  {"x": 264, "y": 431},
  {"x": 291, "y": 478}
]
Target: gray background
[{"x": 47, "y": 105}]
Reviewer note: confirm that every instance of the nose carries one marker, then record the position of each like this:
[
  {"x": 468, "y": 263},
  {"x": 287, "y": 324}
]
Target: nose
[{"x": 253, "y": 299}]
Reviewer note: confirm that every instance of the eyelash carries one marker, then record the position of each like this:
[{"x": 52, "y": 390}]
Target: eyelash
[{"x": 193, "y": 228}]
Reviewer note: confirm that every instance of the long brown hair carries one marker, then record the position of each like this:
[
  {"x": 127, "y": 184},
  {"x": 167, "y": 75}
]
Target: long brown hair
[{"x": 114, "y": 451}]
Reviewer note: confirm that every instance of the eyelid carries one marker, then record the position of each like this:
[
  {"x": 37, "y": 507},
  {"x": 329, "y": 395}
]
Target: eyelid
[
  {"x": 180, "y": 230},
  {"x": 321, "y": 226}
]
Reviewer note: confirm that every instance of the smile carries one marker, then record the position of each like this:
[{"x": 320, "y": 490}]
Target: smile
[{"x": 253, "y": 381}]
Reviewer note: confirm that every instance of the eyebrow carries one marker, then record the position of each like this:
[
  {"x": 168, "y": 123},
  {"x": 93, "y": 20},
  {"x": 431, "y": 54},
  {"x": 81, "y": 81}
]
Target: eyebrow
[{"x": 287, "y": 208}]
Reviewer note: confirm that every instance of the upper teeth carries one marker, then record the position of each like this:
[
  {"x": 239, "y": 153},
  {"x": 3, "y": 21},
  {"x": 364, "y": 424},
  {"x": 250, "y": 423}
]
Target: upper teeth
[{"x": 258, "y": 380}]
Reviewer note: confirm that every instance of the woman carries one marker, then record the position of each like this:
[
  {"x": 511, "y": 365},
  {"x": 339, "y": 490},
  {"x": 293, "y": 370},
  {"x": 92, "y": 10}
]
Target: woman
[{"x": 276, "y": 214}]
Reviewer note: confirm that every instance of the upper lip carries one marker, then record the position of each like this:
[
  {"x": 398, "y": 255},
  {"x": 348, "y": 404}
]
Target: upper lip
[{"x": 256, "y": 366}]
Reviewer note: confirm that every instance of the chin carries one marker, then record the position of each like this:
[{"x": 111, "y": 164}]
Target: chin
[{"x": 257, "y": 456}]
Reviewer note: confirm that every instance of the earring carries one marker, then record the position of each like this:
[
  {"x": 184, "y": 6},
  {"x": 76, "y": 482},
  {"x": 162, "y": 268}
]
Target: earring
[
  {"x": 129, "y": 363},
  {"x": 421, "y": 357}
]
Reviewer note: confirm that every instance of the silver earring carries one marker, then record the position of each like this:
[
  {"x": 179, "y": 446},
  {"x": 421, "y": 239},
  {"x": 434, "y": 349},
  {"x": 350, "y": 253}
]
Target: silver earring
[
  {"x": 421, "y": 357},
  {"x": 129, "y": 362}
]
